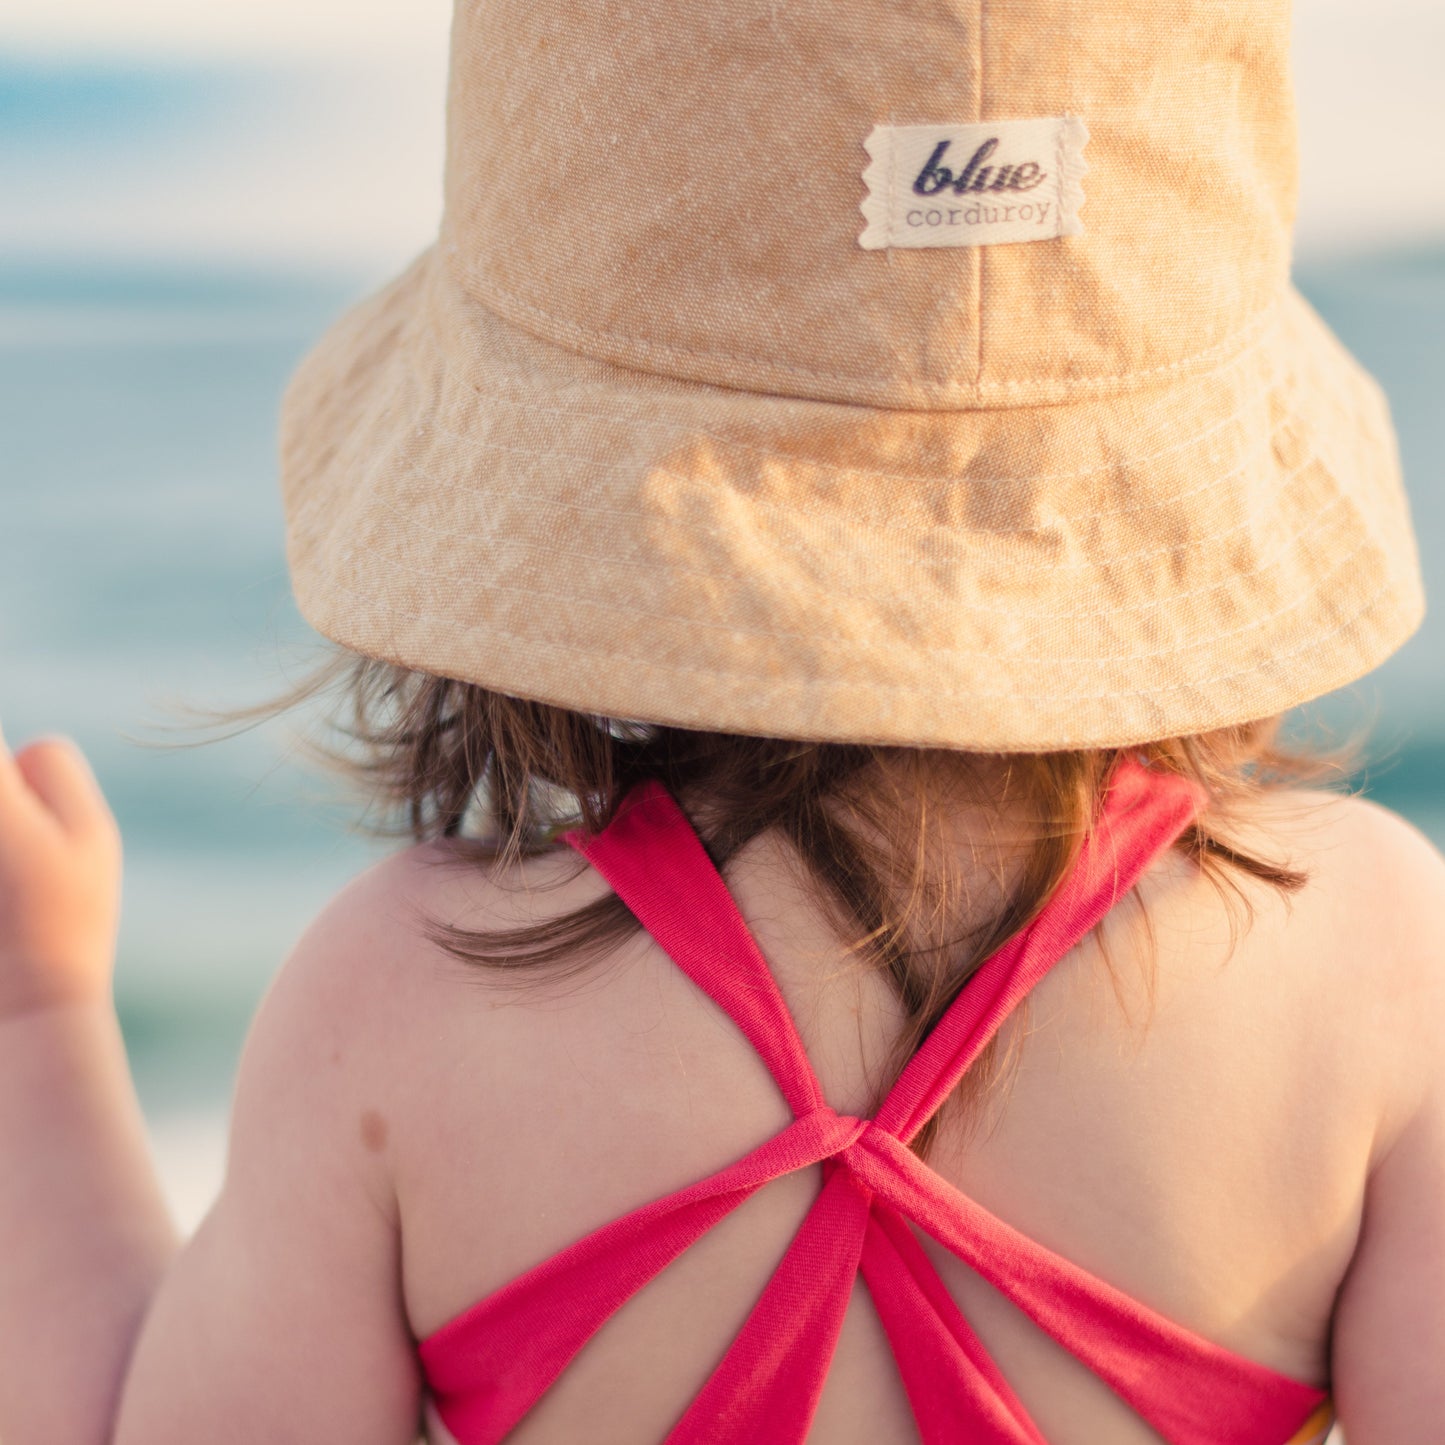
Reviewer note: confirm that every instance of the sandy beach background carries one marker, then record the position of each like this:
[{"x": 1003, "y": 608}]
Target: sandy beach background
[{"x": 191, "y": 193}]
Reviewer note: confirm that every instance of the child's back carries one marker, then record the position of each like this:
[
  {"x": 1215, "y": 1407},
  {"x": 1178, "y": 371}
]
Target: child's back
[{"x": 1203, "y": 1144}]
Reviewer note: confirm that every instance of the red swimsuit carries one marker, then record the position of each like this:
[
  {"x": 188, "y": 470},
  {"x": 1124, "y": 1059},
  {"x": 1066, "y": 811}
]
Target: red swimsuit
[{"x": 487, "y": 1367}]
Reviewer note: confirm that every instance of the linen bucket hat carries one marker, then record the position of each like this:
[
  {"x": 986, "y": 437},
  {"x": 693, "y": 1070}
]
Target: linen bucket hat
[{"x": 923, "y": 373}]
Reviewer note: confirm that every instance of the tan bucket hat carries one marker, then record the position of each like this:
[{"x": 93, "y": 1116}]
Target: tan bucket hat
[{"x": 923, "y": 374}]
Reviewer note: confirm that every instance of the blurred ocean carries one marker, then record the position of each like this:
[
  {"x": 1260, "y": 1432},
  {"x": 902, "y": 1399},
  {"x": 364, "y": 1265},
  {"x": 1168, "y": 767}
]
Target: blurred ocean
[{"x": 143, "y": 563}]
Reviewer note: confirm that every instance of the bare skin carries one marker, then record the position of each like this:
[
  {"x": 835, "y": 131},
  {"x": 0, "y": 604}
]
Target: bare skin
[{"x": 1258, "y": 1150}]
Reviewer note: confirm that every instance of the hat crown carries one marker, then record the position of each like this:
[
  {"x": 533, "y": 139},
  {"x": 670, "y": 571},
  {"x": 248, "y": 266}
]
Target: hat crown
[
  {"x": 680, "y": 422},
  {"x": 677, "y": 188}
]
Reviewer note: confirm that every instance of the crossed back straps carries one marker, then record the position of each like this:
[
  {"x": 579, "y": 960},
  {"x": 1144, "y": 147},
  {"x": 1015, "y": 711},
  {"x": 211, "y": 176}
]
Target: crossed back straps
[{"x": 487, "y": 1367}]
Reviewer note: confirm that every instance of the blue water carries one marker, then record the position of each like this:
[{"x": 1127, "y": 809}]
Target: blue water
[
  {"x": 48, "y": 105},
  {"x": 143, "y": 563}
]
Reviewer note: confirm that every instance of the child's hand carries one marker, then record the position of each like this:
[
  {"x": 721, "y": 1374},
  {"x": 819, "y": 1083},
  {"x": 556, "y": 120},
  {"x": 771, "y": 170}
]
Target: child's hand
[{"x": 59, "y": 879}]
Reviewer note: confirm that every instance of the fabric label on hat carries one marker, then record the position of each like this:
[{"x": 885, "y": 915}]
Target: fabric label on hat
[{"x": 974, "y": 184}]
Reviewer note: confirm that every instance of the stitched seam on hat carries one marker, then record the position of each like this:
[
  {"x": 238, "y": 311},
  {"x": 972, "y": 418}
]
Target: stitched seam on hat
[
  {"x": 978, "y": 250},
  {"x": 1289, "y": 420},
  {"x": 612, "y": 559},
  {"x": 959, "y": 479},
  {"x": 683, "y": 432},
  {"x": 1236, "y": 341},
  {"x": 541, "y": 645},
  {"x": 1273, "y": 383}
]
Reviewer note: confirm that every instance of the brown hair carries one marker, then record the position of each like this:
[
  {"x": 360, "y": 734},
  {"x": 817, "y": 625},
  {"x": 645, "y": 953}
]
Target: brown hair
[{"x": 502, "y": 777}]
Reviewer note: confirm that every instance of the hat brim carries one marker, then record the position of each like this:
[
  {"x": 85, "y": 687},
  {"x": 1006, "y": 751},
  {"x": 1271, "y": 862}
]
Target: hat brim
[{"x": 467, "y": 499}]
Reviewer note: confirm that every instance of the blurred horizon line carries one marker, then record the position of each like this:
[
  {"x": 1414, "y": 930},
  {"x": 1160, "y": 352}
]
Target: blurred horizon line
[
  {"x": 333, "y": 156},
  {"x": 70, "y": 279}
]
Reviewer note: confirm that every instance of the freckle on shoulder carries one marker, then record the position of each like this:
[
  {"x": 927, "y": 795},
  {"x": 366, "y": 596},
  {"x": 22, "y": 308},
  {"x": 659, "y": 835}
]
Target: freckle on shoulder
[{"x": 373, "y": 1130}]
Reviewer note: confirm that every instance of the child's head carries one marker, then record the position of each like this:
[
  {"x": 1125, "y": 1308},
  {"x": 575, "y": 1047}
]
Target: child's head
[{"x": 740, "y": 392}]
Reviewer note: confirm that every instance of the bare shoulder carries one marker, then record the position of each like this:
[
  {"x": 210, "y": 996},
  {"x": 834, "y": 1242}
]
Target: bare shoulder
[
  {"x": 361, "y": 980},
  {"x": 347, "y": 965},
  {"x": 1369, "y": 869},
  {"x": 369, "y": 959},
  {"x": 1346, "y": 821},
  {"x": 1344, "y": 977},
  {"x": 1388, "y": 887},
  {"x": 1368, "y": 923},
  {"x": 369, "y": 1010},
  {"x": 317, "y": 1053}
]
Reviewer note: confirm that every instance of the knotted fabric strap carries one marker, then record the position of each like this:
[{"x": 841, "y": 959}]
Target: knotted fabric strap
[{"x": 490, "y": 1365}]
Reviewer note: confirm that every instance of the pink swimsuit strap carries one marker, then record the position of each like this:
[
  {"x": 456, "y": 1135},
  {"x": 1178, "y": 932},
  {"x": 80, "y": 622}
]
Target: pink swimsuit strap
[{"x": 487, "y": 1367}]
